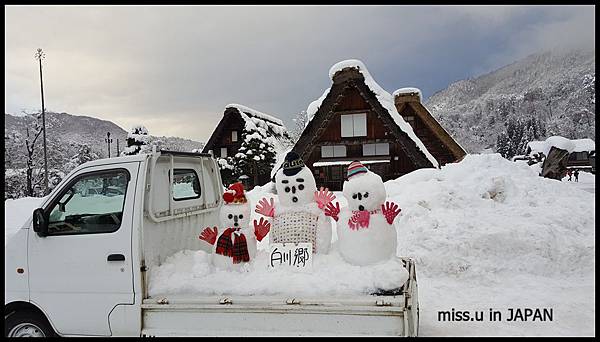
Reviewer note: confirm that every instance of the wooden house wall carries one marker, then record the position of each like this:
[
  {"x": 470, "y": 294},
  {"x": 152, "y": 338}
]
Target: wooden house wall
[
  {"x": 433, "y": 144},
  {"x": 333, "y": 176}
]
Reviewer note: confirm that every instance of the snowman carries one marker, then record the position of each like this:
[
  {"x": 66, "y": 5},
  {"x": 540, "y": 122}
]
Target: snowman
[
  {"x": 366, "y": 233},
  {"x": 299, "y": 216},
  {"x": 235, "y": 246}
]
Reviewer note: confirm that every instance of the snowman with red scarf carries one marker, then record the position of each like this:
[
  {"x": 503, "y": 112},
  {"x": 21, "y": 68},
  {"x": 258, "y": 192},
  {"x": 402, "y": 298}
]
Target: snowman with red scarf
[
  {"x": 235, "y": 245},
  {"x": 366, "y": 231}
]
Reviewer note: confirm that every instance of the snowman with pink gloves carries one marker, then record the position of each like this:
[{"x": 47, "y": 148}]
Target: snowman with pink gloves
[
  {"x": 299, "y": 216},
  {"x": 235, "y": 245},
  {"x": 366, "y": 231}
]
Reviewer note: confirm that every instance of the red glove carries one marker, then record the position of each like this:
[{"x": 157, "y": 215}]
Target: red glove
[
  {"x": 323, "y": 197},
  {"x": 261, "y": 228},
  {"x": 333, "y": 211},
  {"x": 209, "y": 235},
  {"x": 390, "y": 211},
  {"x": 265, "y": 207}
]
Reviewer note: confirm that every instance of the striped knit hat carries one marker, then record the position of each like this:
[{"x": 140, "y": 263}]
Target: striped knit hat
[{"x": 356, "y": 168}]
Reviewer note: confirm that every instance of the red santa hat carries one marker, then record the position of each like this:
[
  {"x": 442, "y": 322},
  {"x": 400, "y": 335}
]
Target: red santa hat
[{"x": 235, "y": 194}]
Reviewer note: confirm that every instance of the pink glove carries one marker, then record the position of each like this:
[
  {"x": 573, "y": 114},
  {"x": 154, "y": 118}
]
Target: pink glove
[
  {"x": 209, "y": 235},
  {"x": 332, "y": 211},
  {"x": 261, "y": 229},
  {"x": 390, "y": 211},
  {"x": 323, "y": 197},
  {"x": 266, "y": 208}
]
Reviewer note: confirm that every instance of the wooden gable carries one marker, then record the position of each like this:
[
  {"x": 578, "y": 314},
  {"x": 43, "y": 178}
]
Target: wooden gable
[
  {"x": 222, "y": 136},
  {"x": 350, "y": 95}
]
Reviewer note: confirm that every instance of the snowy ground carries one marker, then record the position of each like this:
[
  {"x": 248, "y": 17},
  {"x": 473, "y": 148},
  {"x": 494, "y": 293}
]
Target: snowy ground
[{"x": 485, "y": 233}]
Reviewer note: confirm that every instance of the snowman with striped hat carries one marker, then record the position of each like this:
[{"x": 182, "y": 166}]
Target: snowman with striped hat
[{"x": 366, "y": 231}]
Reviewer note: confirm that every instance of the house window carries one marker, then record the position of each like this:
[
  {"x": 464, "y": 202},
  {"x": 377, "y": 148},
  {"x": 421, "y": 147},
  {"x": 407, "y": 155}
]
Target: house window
[
  {"x": 223, "y": 152},
  {"x": 379, "y": 149},
  {"x": 333, "y": 151},
  {"x": 354, "y": 125},
  {"x": 234, "y": 136},
  {"x": 335, "y": 172}
]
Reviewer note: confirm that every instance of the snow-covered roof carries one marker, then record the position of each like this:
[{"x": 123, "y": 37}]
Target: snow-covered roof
[
  {"x": 408, "y": 91},
  {"x": 264, "y": 127},
  {"x": 577, "y": 145},
  {"x": 385, "y": 99},
  {"x": 255, "y": 113}
]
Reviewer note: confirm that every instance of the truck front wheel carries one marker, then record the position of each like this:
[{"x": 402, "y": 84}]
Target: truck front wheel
[{"x": 27, "y": 324}]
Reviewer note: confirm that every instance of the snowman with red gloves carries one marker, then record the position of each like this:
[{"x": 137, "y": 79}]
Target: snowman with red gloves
[
  {"x": 299, "y": 216},
  {"x": 366, "y": 231},
  {"x": 235, "y": 245}
]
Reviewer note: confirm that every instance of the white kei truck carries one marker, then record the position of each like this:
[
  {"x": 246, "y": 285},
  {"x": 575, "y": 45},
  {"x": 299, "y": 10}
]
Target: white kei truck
[{"x": 78, "y": 266}]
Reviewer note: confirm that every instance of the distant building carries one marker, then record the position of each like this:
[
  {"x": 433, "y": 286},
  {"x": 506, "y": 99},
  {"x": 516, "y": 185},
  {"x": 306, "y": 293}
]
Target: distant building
[
  {"x": 581, "y": 152},
  {"x": 356, "y": 119},
  {"x": 238, "y": 123}
]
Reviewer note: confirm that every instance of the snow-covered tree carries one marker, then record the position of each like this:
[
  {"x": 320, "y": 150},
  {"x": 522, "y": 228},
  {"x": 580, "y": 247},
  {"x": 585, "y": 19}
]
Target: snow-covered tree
[
  {"x": 300, "y": 122},
  {"x": 137, "y": 141},
  {"x": 255, "y": 157}
]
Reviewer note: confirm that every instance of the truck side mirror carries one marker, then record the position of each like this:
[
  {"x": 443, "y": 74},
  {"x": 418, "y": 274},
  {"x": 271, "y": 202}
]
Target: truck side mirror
[{"x": 40, "y": 222}]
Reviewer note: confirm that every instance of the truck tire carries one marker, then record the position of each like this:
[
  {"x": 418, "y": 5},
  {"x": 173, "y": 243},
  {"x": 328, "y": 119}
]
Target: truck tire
[{"x": 27, "y": 324}]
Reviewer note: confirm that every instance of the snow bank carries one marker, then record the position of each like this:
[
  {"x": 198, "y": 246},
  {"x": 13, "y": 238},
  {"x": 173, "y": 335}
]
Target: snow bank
[
  {"x": 487, "y": 215},
  {"x": 384, "y": 98},
  {"x": 17, "y": 212}
]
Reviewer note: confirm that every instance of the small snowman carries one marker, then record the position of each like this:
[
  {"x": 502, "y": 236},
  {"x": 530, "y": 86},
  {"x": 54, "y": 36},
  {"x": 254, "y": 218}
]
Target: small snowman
[
  {"x": 366, "y": 233},
  {"x": 299, "y": 216},
  {"x": 235, "y": 246}
]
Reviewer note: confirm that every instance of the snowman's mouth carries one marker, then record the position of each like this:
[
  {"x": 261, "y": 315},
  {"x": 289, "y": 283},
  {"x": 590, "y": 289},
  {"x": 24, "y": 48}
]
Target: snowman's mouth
[
  {"x": 294, "y": 199},
  {"x": 361, "y": 207}
]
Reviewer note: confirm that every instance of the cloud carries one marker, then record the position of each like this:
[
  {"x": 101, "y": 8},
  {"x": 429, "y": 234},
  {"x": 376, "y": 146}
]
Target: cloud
[{"x": 174, "y": 68}]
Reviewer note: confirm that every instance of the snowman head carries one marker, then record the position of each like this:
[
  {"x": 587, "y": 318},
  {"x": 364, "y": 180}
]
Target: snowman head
[
  {"x": 235, "y": 212},
  {"x": 364, "y": 189},
  {"x": 295, "y": 182}
]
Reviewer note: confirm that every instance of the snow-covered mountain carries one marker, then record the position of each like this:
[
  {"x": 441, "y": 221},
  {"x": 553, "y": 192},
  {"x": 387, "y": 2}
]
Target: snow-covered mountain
[
  {"x": 557, "y": 88},
  {"x": 66, "y": 133}
]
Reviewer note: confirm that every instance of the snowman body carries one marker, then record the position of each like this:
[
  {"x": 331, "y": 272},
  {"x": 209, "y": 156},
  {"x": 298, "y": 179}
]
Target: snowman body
[
  {"x": 370, "y": 238},
  {"x": 297, "y": 218},
  {"x": 234, "y": 215}
]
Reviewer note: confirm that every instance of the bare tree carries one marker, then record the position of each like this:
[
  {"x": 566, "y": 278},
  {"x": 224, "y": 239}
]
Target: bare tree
[
  {"x": 300, "y": 122},
  {"x": 30, "y": 146}
]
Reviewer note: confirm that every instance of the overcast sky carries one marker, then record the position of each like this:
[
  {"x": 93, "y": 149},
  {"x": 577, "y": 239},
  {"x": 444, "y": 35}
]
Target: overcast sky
[{"x": 174, "y": 68}]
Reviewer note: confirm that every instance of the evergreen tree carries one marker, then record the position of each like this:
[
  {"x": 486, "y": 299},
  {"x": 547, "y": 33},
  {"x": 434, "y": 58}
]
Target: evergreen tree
[
  {"x": 137, "y": 141},
  {"x": 255, "y": 157}
]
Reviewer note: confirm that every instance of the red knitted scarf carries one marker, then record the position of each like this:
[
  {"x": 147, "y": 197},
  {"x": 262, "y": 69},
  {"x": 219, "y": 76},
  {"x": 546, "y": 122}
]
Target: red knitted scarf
[{"x": 238, "y": 250}]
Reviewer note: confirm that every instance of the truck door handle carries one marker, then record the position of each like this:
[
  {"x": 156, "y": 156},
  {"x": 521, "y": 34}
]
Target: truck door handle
[{"x": 116, "y": 257}]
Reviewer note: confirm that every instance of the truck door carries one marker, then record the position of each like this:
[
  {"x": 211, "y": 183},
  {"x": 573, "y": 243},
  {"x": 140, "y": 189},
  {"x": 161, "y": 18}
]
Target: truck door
[{"x": 83, "y": 268}]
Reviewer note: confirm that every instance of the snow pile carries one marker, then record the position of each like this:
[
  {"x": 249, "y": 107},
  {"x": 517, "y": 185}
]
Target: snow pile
[
  {"x": 189, "y": 272},
  {"x": 408, "y": 91},
  {"x": 489, "y": 216},
  {"x": 384, "y": 98},
  {"x": 586, "y": 144}
]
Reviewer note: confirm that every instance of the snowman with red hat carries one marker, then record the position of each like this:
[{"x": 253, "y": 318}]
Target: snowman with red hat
[
  {"x": 235, "y": 245},
  {"x": 366, "y": 231}
]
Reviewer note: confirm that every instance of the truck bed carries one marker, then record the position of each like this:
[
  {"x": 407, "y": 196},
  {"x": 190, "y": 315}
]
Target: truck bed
[{"x": 393, "y": 312}]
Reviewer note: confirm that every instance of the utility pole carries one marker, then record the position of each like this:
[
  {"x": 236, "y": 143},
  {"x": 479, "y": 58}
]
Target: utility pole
[
  {"x": 39, "y": 55},
  {"x": 108, "y": 140}
]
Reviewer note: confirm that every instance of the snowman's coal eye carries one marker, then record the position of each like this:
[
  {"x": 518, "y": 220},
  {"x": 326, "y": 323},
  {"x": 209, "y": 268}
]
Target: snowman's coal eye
[
  {"x": 366, "y": 195},
  {"x": 301, "y": 186},
  {"x": 241, "y": 216},
  {"x": 354, "y": 196},
  {"x": 230, "y": 216},
  {"x": 287, "y": 189}
]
